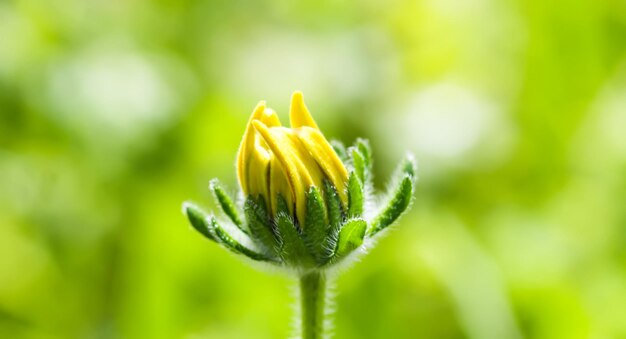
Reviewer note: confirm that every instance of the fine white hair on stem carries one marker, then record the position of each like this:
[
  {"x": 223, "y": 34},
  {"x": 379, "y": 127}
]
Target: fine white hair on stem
[
  {"x": 296, "y": 310},
  {"x": 330, "y": 305}
]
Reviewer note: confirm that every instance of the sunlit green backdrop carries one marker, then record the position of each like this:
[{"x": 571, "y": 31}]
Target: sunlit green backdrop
[{"x": 112, "y": 112}]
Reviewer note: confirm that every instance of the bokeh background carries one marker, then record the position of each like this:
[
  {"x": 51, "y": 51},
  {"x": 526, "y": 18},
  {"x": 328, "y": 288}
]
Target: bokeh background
[{"x": 114, "y": 112}]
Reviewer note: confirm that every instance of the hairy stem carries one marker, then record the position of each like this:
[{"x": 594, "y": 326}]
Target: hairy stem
[{"x": 312, "y": 299}]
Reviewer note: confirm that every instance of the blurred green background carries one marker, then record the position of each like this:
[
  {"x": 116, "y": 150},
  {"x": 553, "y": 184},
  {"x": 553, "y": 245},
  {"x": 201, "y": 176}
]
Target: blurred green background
[{"x": 114, "y": 112}]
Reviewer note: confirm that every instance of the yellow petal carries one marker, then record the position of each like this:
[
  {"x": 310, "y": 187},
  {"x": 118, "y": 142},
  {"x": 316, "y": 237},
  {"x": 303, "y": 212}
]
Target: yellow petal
[
  {"x": 298, "y": 113},
  {"x": 269, "y": 118},
  {"x": 301, "y": 153},
  {"x": 296, "y": 173},
  {"x": 325, "y": 156},
  {"x": 279, "y": 185},
  {"x": 257, "y": 170},
  {"x": 249, "y": 143}
]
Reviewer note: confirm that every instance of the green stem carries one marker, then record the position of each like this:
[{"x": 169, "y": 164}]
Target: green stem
[{"x": 312, "y": 299}]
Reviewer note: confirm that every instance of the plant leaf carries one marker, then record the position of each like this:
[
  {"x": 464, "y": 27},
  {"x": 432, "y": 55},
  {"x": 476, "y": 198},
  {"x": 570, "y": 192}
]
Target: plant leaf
[
  {"x": 333, "y": 203},
  {"x": 398, "y": 203},
  {"x": 292, "y": 247},
  {"x": 399, "y": 196},
  {"x": 281, "y": 205},
  {"x": 226, "y": 203},
  {"x": 316, "y": 221},
  {"x": 261, "y": 229},
  {"x": 336, "y": 217},
  {"x": 366, "y": 152},
  {"x": 199, "y": 220},
  {"x": 364, "y": 147},
  {"x": 358, "y": 161},
  {"x": 350, "y": 237},
  {"x": 229, "y": 242},
  {"x": 408, "y": 166},
  {"x": 355, "y": 196}
]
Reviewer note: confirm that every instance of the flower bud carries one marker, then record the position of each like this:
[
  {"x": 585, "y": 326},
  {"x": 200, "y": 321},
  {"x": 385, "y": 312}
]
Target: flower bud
[{"x": 307, "y": 206}]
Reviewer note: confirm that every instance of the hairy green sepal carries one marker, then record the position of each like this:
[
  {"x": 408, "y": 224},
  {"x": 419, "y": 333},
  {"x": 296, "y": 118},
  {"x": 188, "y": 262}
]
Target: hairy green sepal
[
  {"x": 350, "y": 238},
  {"x": 400, "y": 197},
  {"x": 261, "y": 229},
  {"x": 315, "y": 225},
  {"x": 226, "y": 203},
  {"x": 355, "y": 196},
  {"x": 199, "y": 220}
]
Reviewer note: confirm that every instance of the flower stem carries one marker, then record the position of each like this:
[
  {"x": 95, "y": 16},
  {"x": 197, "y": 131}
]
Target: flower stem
[{"x": 312, "y": 298}]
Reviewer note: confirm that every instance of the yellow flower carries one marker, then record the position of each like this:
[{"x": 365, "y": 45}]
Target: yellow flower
[
  {"x": 274, "y": 160},
  {"x": 305, "y": 206},
  {"x": 305, "y": 210}
]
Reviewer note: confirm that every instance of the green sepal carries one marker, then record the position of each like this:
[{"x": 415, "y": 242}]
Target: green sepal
[
  {"x": 366, "y": 152},
  {"x": 226, "y": 203},
  {"x": 336, "y": 216},
  {"x": 408, "y": 166},
  {"x": 398, "y": 203},
  {"x": 292, "y": 248},
  {"x": 199, "y": 220},
  {"x": 281, "y": 205},
  {"x": 261, "y": 229},
  {"x": 316, "y": 220},
  {"x": 358, "y": 161},
  {"x": 349, "y": 238},
  {"x": 355, "y": 196},
  {"x": 333, "y": 204},
  {"x": 340, "y": 149},
  {"x": 229, "y": 242},
  {"x": 364, "y": 148}
]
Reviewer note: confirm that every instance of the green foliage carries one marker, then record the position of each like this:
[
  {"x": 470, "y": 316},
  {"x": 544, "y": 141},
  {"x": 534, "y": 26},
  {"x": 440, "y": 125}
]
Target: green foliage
[
  {"x": 395, "y": 207},
  {"x": 363, "y": 146},
  {"x": 325, "y": 236},
  {"x": 226, "y": 204},
  {"x": 333, "y": 203},
  {"x": 258, "y": 222},
  {"x": 358, "y": 161},
  {"x": 208, "y": 226},
  {"x": 355, "y": 196},
  {"x": 229, "y": 242},
  {"x": 350, "y": 238},
  {"x": 315, "y": 227},
  {"x": 292, "y": 247},
  {"x": 400, "y": 197},
  {"x": 363, "y": 156},
  {"x": 199, "y": 220},
  {"x": 309, "y": 245}
]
